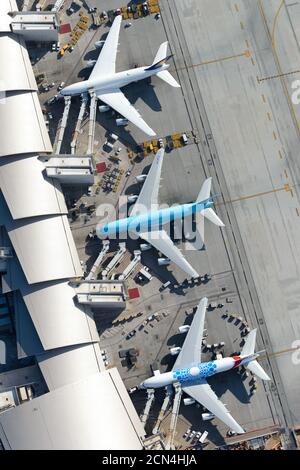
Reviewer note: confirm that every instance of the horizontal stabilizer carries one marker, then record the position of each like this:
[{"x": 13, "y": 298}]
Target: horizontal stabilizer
[
  {"x": 168, "y": 78},
  {"x": 204, "y": 197},
  {"x": 256, "y": 369},
  {"x": 212, "y": 216}
]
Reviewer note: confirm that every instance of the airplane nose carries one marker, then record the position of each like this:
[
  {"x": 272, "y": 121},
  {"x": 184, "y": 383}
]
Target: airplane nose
[{"x": 64, "y": 91}]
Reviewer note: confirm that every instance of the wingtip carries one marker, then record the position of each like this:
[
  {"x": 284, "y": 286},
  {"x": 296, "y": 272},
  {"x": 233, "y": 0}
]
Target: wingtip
[
  {"x": 194, "y": 274},
  {"x": 118, "y": 19}
]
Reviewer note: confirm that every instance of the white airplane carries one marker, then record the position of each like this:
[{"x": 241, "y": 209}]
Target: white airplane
[
  {"x": 191, "y": 373},
  {"x": 106, "y": 83},
  {"x": 146, "y": 220}
]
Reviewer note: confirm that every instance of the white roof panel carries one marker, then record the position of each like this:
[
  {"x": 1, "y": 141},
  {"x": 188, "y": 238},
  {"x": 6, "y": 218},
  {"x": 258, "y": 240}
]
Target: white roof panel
[
  {"x": 44, "y": 246},
  {"x": 70, "y": 364},
  {"x": 40, "y": 195},
  {"x": 58, "y": 321},
  {"x": 5, "y": 20},
  {"x": 28, "y": 342},
  {"x": 22, "y": 127},
  {"x": 86, "y": 415},
  {"x": 12, "y": 76}
]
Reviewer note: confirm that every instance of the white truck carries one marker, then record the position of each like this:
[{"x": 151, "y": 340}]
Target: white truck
[{"x": 146, "y": 273}]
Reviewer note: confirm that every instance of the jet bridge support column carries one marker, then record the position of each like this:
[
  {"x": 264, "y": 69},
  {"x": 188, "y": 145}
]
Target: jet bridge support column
[{"x": 93, "y": 111}]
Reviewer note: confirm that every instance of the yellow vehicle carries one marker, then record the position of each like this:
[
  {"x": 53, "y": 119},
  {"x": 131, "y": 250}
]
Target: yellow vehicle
[
  {"x": 83, "y": 25},
  {"x": 63, "y": 49}
]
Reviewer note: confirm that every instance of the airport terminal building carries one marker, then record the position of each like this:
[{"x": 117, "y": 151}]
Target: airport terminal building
[{"x": 86, "y": 406}]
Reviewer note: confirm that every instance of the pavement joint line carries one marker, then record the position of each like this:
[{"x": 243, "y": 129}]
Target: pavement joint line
[
  {"x": 279, "y": 353},
  {"x": 286, "y": 188},
  {"x": 247, "y": 54},
  {"x": 272, "y": 77}
]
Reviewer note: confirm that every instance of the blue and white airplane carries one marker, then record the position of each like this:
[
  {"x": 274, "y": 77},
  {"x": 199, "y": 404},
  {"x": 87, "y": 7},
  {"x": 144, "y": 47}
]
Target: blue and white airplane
[
  {"x": 147, "y": 220},
  {"x": 191, "y": 373},
  {"x": 107, "y": 83}
]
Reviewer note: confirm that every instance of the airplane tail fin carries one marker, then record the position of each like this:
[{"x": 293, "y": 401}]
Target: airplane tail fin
[
  {"x": 162, "y": 53},
  {"x": 160, "y": 59},
  {"x": 248, "y": 351},
  {"x": 249, "y": 346},
  {"x": 208, "y": 213}
]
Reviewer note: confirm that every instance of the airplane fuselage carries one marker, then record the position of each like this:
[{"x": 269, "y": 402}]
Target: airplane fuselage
[
  {"x": 153, "y": 220},
  {"x": 194, "y": 374},
  {"x": 113, "y": 81}
]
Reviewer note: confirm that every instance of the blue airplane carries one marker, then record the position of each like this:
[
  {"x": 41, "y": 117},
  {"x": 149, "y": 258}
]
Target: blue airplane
[{"x": 147, "y": 220}]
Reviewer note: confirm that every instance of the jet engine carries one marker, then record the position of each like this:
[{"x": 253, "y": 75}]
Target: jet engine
[
  {"x": 188, "y": 401},
  {"x": 163, "y": 261},
  {"x": 175, "y": 351},
  {"x": 184, "y": 329},
  {"x": 141, "y": 178},
  {"x": 132, "y": 199}
]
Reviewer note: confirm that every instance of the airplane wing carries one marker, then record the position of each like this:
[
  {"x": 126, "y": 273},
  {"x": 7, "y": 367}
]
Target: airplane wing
[
  {"x": 162, "y": 242},
  {"x": 203, "y": 394},
  {"x": 106, "y": 63},
  {"x": 191, "y": 349},
  {"x": 118, "y": 101},
  {"x": 149, "y": 194}
]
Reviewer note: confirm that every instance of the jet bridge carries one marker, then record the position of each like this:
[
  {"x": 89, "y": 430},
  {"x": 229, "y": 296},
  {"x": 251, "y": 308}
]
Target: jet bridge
[
  {"x": 79, "y": 122},
  {"x": 63, "y": 124},
  {"x": 94, "y": 271},
  {"x": 131, "y": 266},
  {"x": 165, "y": 406},
  {"x": 92, "y": 122},
  {"x": 115, "y": 261},
  {"x": 150, "y": 400},
  {"x": 174, "y": 418}
]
